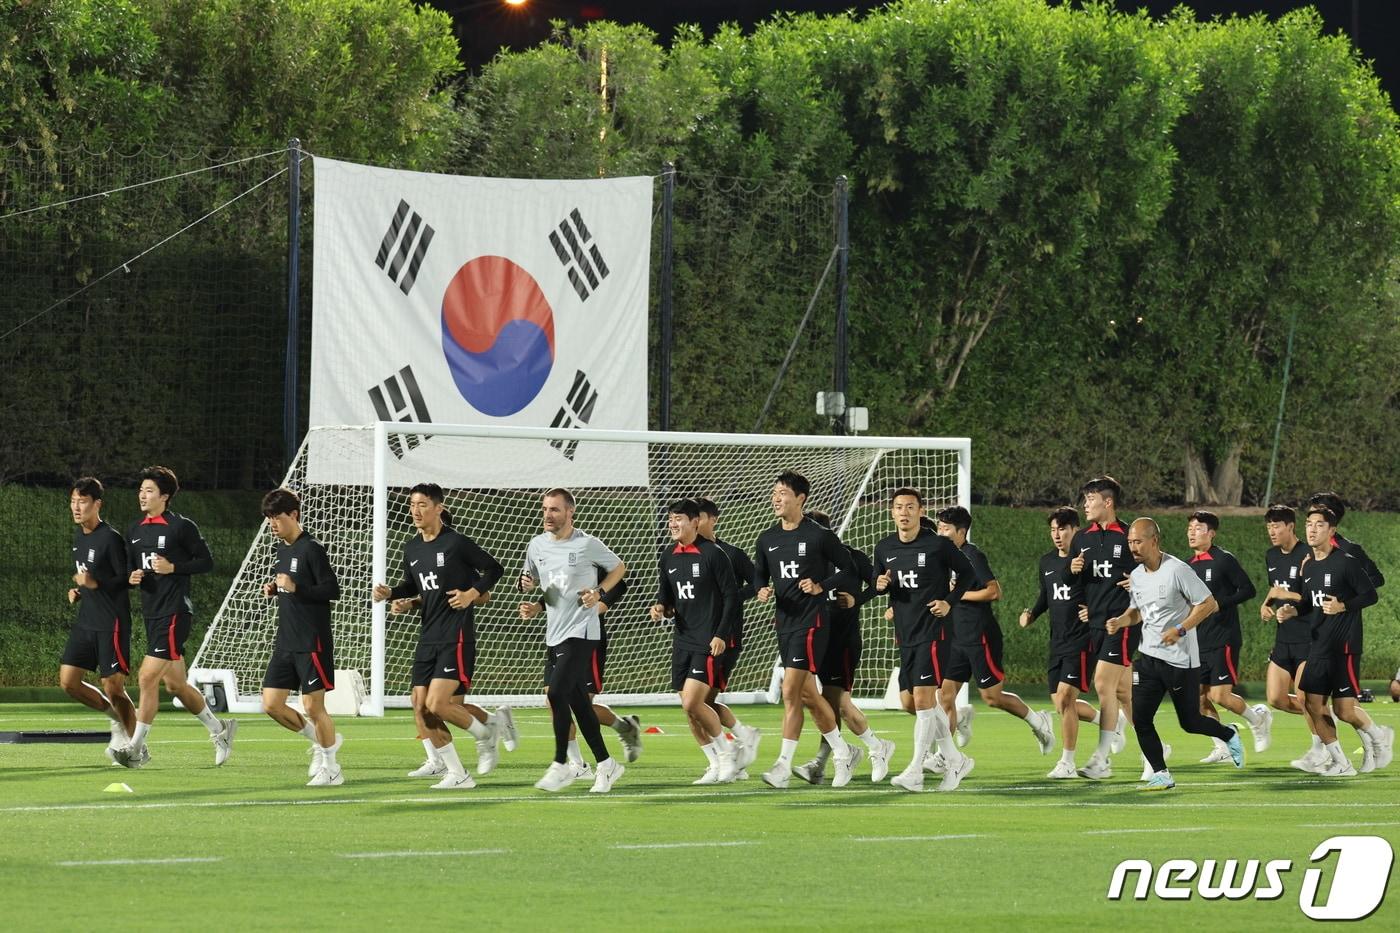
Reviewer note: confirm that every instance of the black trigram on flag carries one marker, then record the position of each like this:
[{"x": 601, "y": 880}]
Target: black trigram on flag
[
  {"x": 569, "y": 242},
  {"x": 415, "y": 239},
  {"x": 575, "y": 412},
  {"x": 399, "y": 399}
]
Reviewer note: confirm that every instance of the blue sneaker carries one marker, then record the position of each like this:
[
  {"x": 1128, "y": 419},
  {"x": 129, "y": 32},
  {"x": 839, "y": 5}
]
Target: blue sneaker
[
  {"x": 1236, "y": 747},
  {"x": 1161, "y": 780}
]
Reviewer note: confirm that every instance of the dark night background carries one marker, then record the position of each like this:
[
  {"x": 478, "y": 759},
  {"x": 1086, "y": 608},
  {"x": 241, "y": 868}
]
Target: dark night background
[{"x": 485, "y": 26}]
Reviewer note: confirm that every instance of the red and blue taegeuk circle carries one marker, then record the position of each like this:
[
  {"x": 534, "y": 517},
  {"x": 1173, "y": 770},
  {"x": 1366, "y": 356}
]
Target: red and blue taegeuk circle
[{"x": 497, "y": 335}]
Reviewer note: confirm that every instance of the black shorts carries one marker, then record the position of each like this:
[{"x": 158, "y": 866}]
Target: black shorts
[
  {"x": 592, "y": 666},
  {"x": 1220, "y": 667},
  {"x": 804, "y": 648},
  {"x": 923, "y": 665},
  {"x": 445, "y": 661},
  {"x": 839, "y": 664},
  {"x": 107, "y": 653},
  {"x": 728, "y": 664},
  {"x": 980, "y": 663},
  {"x": 165, "y": 636},
  {"x": 302, "y": 671},
  {"x": 1072, "y": 669},
  {"x": 1117, "y": 648},
  {"x": 1332, "y": 674},
  {"x": 1290, "y": 655},
  {"x": 689, "y": 664}
]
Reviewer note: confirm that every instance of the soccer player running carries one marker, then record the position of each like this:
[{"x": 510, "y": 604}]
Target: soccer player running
[
  {"x": 801, "y": 565},
  {"x": 100, "y": 640},
  {"x": 924, "y": 575},
  {"x": 1167, "y": 601},
  {"x": 1069, "y": 670},
  {"x": 977, "y": 639},
  {"x": 303, "y": 655},
  {"x": 1293, "y": 638},
  {"x": 697, "y": 590},
  {"x": 449, "y": 571},
  {"x": 565, "y": 562},
  {"x": 166, "y": 549},
  {"x": 1338, "y": 507},
  {"x": 747, "y": 736},
  {"x": 1100, "y": 562},
  {"x": 838, "y": 670},
  {"x": 1335, "y": 589},
  {"x": 1219, "y": 637}
]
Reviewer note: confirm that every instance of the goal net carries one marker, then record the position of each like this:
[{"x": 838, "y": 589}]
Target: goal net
[{"x": 353, "y": 483}]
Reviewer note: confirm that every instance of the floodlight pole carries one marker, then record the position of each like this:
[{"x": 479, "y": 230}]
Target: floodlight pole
[{"x": 290, "y": 381}]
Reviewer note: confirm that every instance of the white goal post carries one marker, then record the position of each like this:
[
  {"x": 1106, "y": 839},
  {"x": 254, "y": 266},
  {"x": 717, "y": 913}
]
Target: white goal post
[{"x": 353, "y": 483}]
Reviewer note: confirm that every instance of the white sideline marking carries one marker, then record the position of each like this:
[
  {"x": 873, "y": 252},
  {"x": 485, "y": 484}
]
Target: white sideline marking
[
  {"x": 1342, "y": 825},
  {"x": 683, "y": 845},
  {"x": 142, "y": 861},
  {"x": 917, "y": 838},
  {"x": 1148, "y": 829},
  {"x": 423, "y": 854}
]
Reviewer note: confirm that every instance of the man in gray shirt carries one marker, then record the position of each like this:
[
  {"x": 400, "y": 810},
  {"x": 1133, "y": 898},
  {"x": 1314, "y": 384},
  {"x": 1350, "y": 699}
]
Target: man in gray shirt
[{"x": 1168, "y": 600}]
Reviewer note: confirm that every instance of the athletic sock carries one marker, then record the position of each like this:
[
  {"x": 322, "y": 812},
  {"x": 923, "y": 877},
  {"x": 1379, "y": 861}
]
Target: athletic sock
[
  {"x": 823, "y": 753},
  {"x": 711, "y": 754},
  {"x": 573, "y": 752},
  {"x": 328, "y": 755},
  {"x": 923, "y": 734},
  {"x": 479, "y": 730},
  {"x": 943, "y": 738},
  {"x": 138, "y": 738},
  {"x": 430, "y": 748},
  {"x": 448, "y": 753},
  {"x": 789, "y": 749},
  {"x": 1067, "y": 756},
  {"x": 1105, "y": 746},
  {"x": 1372, "y": 732},
  {"x": 1251, "y": 716},
  {"x": 211, "y": 722},
  {"x": 839, "y": 748},
  {"x": 1334, "y": 750},
  {"x": 1097, "y": 715},
  {"x": 1317, "y": 745},
  {"x": 1220, "y": 745},
  {"x": 308, "y": 729},
  {"x": 871, "y": 740}
]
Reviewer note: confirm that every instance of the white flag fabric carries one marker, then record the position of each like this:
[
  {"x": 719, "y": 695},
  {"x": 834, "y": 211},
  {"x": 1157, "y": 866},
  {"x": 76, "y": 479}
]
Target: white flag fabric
[{"x": 458, "y": 300}]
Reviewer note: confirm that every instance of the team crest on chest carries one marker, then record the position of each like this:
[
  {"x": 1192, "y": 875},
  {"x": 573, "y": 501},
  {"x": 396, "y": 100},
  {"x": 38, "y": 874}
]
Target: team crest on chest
[
  {"x": 160, "y": 541},
  {"x": 293, "y": 568},
  {"x": 1118, "y": 550},
  {"x": 92, "y": 555},
  {"x": 1207, "y": 574},
  {"x": 923, "y": 558},
  {"x": 802, "y": 549},
  {"x": 695, "y": 569},
  {"x": 1292, "y": 572},
  {"x": 1327, "y": 579},
  {"x": 573, "y": 558},
  {"x": 441, "y": 559}
]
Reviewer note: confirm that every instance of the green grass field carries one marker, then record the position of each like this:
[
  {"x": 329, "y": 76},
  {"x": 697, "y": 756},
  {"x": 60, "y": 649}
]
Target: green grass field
[{"x": 247, "y": 846}]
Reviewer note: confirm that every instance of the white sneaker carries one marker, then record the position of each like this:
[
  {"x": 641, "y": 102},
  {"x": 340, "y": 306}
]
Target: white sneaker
[
  {"x": 910, "y": 779},
  {"x": 629, "y": 732},
  {"x": 748, "y": 738},
  {"x": 556, "y": 778},
  {"x": 452, "y": 781},
  {"x": 741, "y": 775},
  {"x": 777, "y": 776},
  {"x": 964, "y": 734},
  {"x": 1385, "y": 747},
  {"x": 1147, "y": 771},
  {"x": 131, "y": 756},
  {"x": 223, "y": 740},
  {"x": 727, "y": 767},
  {"x": 429, "y": 768},
  {"x": 711, "y": 776},
  {"x": 846, "y": 768},
  {"x": 488, "y": 750},
  {"x": 1313, "y": 761},
  {"x": 813, "y": 772},
  {"x": 318, "y": 755},
  {"x": 1119, "y": 741},
  {"x": 1062, "y": 771},
  {"x": 327, "y": 777},
  {"x": 581, "y": 769},
  {"x": 956, "y": 773},
  {"x": 935, "y": 763},
  {"x": 506, "y": 733},
  {"x": 880, "y": 757},
  {"x": 1044, "y": 728},
  {"x": 1096, "y": 769},
  {"x": 1341, "y": 768},
  {"x": 609, "y": 770},
  {"x": 1264, "y": 731},
  {"x": 1218, "y": 754},
  {"x": 119, "y": 739},
  {"x": 1368, "y": 754}
]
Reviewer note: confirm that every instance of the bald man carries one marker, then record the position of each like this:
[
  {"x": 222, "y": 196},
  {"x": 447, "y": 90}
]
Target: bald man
[{"x": 1168, "y": 600}]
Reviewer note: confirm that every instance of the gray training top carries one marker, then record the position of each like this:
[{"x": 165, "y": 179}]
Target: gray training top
[
  {"x": 562, "y": 568},
  {"x": 1165, "y": 597}
]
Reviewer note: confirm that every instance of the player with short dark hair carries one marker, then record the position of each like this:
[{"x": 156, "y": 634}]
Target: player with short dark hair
[
  {"x": 100, "y": 640},
  {"x": 303, "y": 656},
  {"x": 746, "y": 736},
  {"x": 1335, "y": 589},
  {"x": 839, "y": 666},
  {"x": 1337, "y": 505},
  {"x": 801, "y": 565},
  {"x": 1100, "y": 562},
  {"x": 697, "y": 591},
  {"x": 977, "y": 640},
  {"x": 924, "y": 575},
  {"x": 1069, "y": 671},
  {"x": 449, "y": 571},
  {"x": 166, "y": 549},
  {"x": 1218, "y": 637},
  {"x": 580, "y": 578}
]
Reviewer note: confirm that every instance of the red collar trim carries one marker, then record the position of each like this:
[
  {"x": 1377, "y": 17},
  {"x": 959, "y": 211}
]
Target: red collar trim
[
  {"x": 1204, "y": 555},
  {"x": 686, "y": 549},
  {"x": 1116, "y": 526},
  {"x": 155, "y": 520},
  {"x": 1334, "y": 541}
]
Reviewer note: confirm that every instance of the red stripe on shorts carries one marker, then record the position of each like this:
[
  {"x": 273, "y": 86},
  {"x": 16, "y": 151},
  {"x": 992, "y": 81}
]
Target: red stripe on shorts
[
  {"x": 170, "y": 634},
  {"x": 991, "y": 665},
  {"x": 117, "y": 645},
  {"x": 462, "y": 668}
]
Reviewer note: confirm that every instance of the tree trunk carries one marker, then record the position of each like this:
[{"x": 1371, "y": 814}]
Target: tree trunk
[{"x": 1223, "y": 485}]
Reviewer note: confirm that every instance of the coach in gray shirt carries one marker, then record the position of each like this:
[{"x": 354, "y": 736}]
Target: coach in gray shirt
[{"x": 1168, "y": 601}]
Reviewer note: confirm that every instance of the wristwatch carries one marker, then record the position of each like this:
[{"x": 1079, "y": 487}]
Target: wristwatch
[{"x": 1180, "y": 630}]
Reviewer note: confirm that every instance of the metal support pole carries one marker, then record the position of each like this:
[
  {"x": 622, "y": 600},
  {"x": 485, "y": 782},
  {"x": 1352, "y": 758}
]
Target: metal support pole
[
  {"x": 1278, "y": 424},
  {"x": 843, "y": 246},
  {"x": 290, "y": 381},
  {"x": 668, "y": 203}
]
